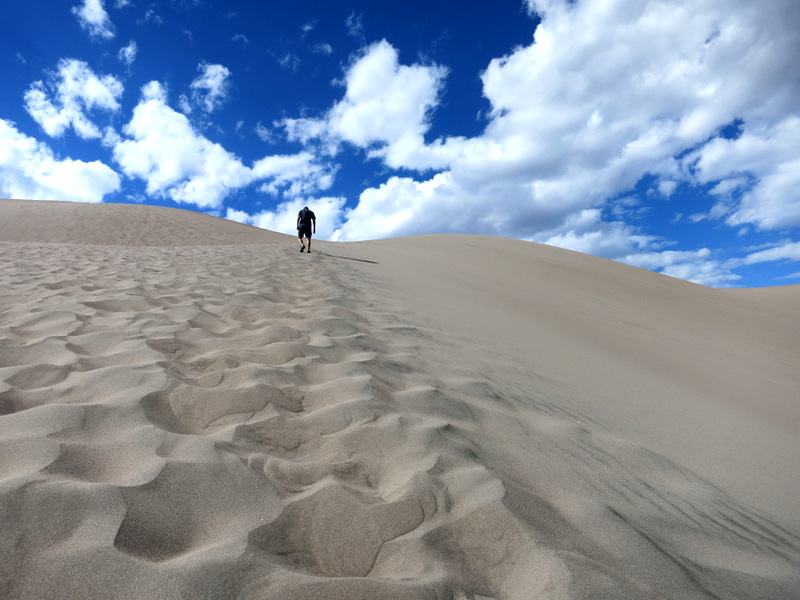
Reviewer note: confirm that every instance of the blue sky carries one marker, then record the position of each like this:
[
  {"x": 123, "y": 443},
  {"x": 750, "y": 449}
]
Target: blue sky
[{"x": 663, "y": 134}]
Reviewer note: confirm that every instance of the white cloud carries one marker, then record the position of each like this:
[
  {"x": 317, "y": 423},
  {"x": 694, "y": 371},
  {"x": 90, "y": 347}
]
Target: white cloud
[
  {"x": 172, "y": 158},
  {"x": 127, "y": 54},
  {"x": 386, "y": 103},
  {"x": 152, "y": 16},
  {"x": 237, "y": 215},
  {"x": 608, "y": 92},
  {"x": 94, "y": 19},
  {"x": 667, "y": 258},
  {"x": 289, "y": 61},
  {"x": 697, "y": 266},
  {"x": 726, "y": 187},
  {"x": 210, "y": 89},
  {"x": 711, "y": 273},
  {"x": 306, "y": 130},
  {"x": 667, "y": 187},
  {"x": 65, "y": 99},
  {"x": 385, "y": 108},
  {"x": 586, "y": 232},
  {"x": 29, "y": 170},
  {"x": 322, "y": 48},
  {"x": 185, "y": 104},
  {"x": 176, "y": 161},
  {"x": 397, "y": 208},
  {"x": 769, "y": 154},
  {"x": 264, "y": 133},
  {"x": 328, "y": 211},
  {"x": 788, "y": 251},
  {"x": 355, "y": 25},
  {"x": 299, "y": 172}
]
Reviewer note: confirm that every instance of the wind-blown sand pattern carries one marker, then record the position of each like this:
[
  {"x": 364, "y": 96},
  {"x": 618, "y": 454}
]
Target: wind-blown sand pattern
[{"x": 190, "y": 408}]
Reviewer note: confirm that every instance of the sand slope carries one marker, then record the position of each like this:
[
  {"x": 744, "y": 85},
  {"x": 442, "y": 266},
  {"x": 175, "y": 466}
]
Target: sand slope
[
  {"x": 710, "y": 378},
  {"x": 220, "y": 416},
  {"x": 120, "y": 225}
]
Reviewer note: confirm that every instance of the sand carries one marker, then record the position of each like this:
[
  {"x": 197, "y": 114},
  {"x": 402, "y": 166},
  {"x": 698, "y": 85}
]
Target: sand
[{"x": 191, "y": 408}]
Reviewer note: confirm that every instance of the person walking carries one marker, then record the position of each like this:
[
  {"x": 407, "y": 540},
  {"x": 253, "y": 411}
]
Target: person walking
[{"x": 305, "y": 221}]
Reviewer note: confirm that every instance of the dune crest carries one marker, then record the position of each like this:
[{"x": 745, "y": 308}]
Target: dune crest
[{"x": 231, "y": 419}]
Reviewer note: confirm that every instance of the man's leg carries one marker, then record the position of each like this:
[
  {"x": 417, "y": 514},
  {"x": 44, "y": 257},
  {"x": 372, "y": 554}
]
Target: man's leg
[{"x": 302, "y": 245}]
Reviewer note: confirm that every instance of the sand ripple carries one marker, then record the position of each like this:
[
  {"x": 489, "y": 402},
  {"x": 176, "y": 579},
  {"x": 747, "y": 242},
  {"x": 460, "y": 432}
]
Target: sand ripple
[{"x": 230, "y": 421}]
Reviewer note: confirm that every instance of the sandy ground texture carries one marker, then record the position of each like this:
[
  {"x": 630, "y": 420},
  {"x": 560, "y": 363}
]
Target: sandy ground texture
[{"x": 191, "y": 408}]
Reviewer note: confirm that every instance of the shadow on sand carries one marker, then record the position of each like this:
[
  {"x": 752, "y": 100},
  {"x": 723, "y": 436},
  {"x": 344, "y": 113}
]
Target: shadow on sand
[{"x": 372, "y": 262}]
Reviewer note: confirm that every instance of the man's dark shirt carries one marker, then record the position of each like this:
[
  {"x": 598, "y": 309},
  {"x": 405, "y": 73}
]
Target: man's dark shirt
[{"x": 306, "y": 216}]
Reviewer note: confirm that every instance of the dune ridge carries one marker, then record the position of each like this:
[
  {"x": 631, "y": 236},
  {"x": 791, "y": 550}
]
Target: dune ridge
[{"x": 231, "y": 419}]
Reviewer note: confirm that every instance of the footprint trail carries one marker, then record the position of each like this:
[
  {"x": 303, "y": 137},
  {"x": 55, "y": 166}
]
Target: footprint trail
[{"x": 249, "y": 422}]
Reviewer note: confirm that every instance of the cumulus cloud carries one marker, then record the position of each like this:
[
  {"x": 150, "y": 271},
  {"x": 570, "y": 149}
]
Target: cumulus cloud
[
  {"x": 163, "y": 149},
  {"x": 586, "y": 231},
  {"x": 210, "y": 89},
  {"x": 589, "y": 233},
  {"x": 127, "y": 54},
  {"x": 788, "y": 251},
  {"x": 69, "y": 94},
  {"x": 293, "y": 175},
  {"x": 94, "y": 19},
  {"x": 30, "y": 170},
  {"x": 698, "y": 266},
  {"x": 328, "y": 211},
  {"x": 397, "y": 208},
  {"x": 385, "y": 109},
  {"x": 769, "y": 156},
  {"x": 608, "y": 93},
  {"x": 173, "y": 158},
  {"x": 712, "y": 273},
  {"x": 264, "y": 133},
  {"x": 610, "y": 99}
]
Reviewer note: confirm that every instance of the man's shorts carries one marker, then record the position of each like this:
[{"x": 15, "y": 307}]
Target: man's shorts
[{"x": 305, "y": 230}]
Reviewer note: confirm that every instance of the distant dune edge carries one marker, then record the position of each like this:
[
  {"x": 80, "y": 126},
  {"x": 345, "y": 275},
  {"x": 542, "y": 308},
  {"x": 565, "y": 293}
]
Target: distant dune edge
[{"x": 191, "y": 408}]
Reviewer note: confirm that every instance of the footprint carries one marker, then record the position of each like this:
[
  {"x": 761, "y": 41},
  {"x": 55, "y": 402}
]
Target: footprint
[
  {"x": 337, "y": 532},
  {"x": 121, "y": 464},
  {"x": 192, "y": 409},
  {"x": 50, "y": 323},
  {"x": 38, "y": 376},
  {"x": 295, "y": 476},
  {"x": 50, "y": 350},
  {"x": 277, "y": 435},
  {"x": 191, "y": 506}
]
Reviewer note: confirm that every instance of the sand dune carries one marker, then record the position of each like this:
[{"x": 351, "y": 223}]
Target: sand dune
[{"x": 190, "y": 408}]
